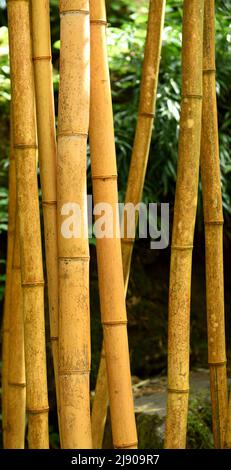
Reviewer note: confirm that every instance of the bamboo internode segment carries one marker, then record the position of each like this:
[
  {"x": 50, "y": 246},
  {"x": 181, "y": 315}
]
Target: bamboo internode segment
[
  {"x": 7, "y": 302},
  {"x": 16, "y": 409},
  {"x": 24, "y": 136},
  {"x": 100, "y": 404},
  {"x": 184, "y": 224},
  {"x": 74, "y": 321},
  {"x": 136, "y": 178},
  {"x": 40, "y": 19},
  {"x": 213, "y": 216},
  {"x": 111, "y": 286}
]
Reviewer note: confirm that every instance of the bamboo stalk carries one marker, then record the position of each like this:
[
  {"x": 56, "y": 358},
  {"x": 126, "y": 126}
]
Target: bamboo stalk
[
  {"x": 146, "y": 114},
  {"x": 213, "y": 216},
  {"x": 24, "y": 135},
  {"x": 110, "y": 269},
  {"x": 100, "y": 404},
  {"x": 16, "y": 410},
  {"x": 140, "y": 153},
  {"x": 6, "y": 313},
  {"x": 73, "y": 252},
  {"x": 47, "y": 158},
  {"x": 184, "y": 224}
]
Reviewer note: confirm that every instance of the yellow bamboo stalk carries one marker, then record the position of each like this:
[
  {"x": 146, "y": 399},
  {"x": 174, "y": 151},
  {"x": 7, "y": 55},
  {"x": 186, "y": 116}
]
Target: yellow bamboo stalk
[
  {"x": 47, "y": 158},
  {"x": 24, "y": 136},
  {"x": 100, "y": 404},
  {"x": 73, "y": 252},
  {"x": 147, "y": 107},
  {"x": 6, "y": 313},
  {"x": 140, "y": 153},
  {"x": 111, "y": 286},
  {"x": 16, "y": 409},
  {"x": 213, "y": 217},
  {"x": 184, "y": 224}
]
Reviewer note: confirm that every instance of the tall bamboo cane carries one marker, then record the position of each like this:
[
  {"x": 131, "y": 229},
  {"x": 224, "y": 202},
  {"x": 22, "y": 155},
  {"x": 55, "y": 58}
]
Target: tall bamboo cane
[
  {"x": 74, "y": 322},
  {"x": 213, "y": 216},
  {"x": 111, "y": 286},
  {"x": 6, "y": 313},
  {"x": 47, "y": 157},
  {"x": 184, "y": 224},
  {"x": 16, "y": 409},
  {"x": 147, "y": 107},
  {"x": 140, "y": 153},
  {"x": 24, "y": 135}
]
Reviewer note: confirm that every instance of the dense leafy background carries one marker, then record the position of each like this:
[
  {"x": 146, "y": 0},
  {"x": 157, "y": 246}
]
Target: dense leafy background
[{"x": 126, "y": 36}]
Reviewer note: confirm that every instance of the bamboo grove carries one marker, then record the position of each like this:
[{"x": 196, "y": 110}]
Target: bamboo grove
[{"x": 85, "y": 114}]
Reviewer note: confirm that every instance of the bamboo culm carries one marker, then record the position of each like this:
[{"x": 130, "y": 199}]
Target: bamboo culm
[
  {"x": 140, "y": 153},
  {"x": 44, "y": 95},
  {"x": 25, "y": 148},
  {"x": 109, "y": 259},
  {"x": 184, "y": 225},
  {"x": 213, "y": 217},
  {"x": 73, "y": 252},
  {"x": 8, "y": 290},
  {"x": 16, "y": 410}
]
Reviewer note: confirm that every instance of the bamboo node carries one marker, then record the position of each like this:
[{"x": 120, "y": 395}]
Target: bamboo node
[
  {"x": 146, "y": 114},
  {"x": 126, "y": 446},
  {"x": 64, "y": 12},
  {"x": 217, "y": 364},
  {"x": 37, "y": 411},
  {"x": 191, "y": 96},
  {"x": 42, "y": 57},
  {"x": 209, "y": 70},
  {"x": 99, "y": 22},
  {"x": 49, "y": 203},
  {"x": 33, "y": 284},
  {"x": 73, "y": 134},
  {"x": 15, "y": 384},
  {"x": 173, "y": 390},
  {"x": 24, "y": 146},
  {"x": 114, "y": 323},
  {"x": 54, "y": 338},
  {"x": 104, "y": 177},
  {"x": 182, "y": 247},
  {"x": 74, "y": 372},
  {"x": 74, "y": 258},
  {"x": 27, "y": 1},
  {"x": 214, "y": 222}
]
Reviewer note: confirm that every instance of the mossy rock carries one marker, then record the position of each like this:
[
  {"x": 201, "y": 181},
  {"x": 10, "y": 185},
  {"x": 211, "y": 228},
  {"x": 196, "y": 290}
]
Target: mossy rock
[
  {"x": 150, "y": 430},
  {"x": 200, "y": 434}
]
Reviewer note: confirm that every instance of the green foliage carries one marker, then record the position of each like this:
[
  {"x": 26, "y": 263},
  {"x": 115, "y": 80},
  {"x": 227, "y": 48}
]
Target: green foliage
[
  {"x": 200, "y": 423},
  {"x": 126, "y": 36},
  {"x": 126, "y": 39}
]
